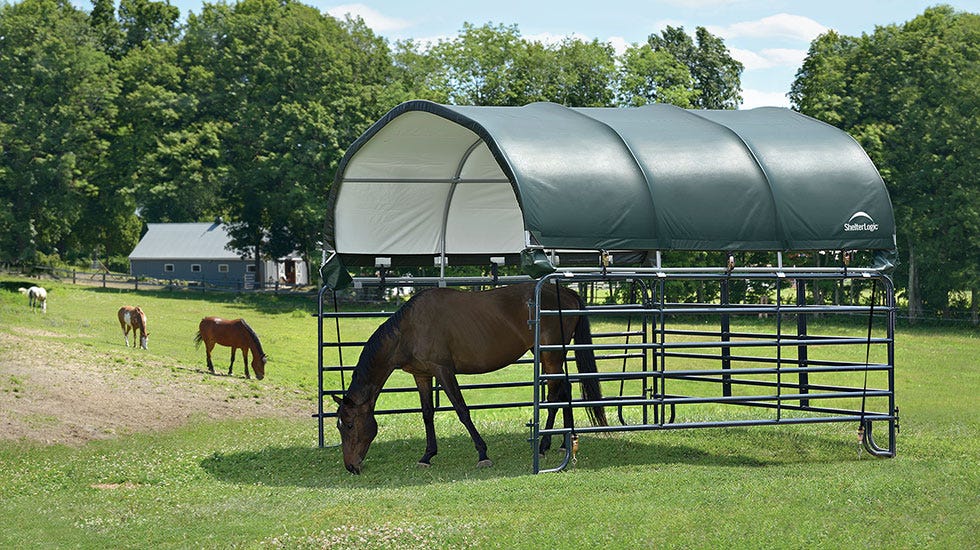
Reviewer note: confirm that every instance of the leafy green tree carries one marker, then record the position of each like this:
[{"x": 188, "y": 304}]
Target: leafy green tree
[
  {"x": 582, "y": 73},
  {"x": 56, "y": 114},
  {"x": 654, "y": 76},
  {"x": 495, "y": 65},
  {"x": 284, "y": 88},
  {"x": 484, "y": 65},
  {"x": 908, "y": 94},
  {"x": 148, "y": 22},
  {"x": 715, "y": 73},
  {"x": 108, "y": 31}
]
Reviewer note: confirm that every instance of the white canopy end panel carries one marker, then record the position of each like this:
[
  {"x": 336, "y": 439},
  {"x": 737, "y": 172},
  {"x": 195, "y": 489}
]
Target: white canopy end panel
[{"x": 426, "y": 186}]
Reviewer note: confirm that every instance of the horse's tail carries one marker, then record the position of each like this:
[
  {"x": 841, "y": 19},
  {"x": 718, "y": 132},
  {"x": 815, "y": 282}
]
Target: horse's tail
[
  {"x": 198, "y": 339},
  {"x": 585, "y": 360}
]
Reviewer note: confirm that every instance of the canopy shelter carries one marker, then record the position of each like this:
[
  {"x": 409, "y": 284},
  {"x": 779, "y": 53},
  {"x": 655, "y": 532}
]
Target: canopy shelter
[{"x": 467, "y": 184}]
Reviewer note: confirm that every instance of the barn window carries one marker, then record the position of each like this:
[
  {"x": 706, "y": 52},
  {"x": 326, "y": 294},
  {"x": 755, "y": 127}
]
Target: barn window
[
  {"x": 222, "y": 268},
  {"x": 168, "y": 268},
  {"x": 195, "y": 268},
  {"x": 250, "y": 268}
]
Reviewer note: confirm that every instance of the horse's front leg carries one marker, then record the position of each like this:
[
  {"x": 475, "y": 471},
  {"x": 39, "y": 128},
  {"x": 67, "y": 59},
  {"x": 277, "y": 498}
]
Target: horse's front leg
[
  {"x": 451, "y": 387},
  {"x": 245, "y": 360},
  {"x": 424, "y": 383},
  {"x": 232, "y": 364}
]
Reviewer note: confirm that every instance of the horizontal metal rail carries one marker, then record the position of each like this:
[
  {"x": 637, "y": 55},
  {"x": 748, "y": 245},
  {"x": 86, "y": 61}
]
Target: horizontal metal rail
[{"x": 654, "y": 363}]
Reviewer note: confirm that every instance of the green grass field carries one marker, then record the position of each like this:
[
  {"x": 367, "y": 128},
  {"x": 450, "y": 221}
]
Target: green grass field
[{"x": 262, "y": 482}]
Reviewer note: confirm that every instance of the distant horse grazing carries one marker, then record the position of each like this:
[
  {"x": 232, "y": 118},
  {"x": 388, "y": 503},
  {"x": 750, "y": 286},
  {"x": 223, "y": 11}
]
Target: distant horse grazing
[
  {"x": 133, "y": 318},
  {"x": 37, "y": 297},
  {"x": 444, "y": 332},
  {"x": 236, "y": 335}
]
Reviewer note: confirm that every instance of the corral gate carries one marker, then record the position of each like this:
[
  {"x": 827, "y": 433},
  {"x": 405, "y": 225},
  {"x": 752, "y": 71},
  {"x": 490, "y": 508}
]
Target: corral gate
[{"x": 588, "y": 196}]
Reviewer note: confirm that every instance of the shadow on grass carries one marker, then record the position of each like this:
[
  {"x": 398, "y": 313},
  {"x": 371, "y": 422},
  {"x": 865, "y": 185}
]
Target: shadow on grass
[{"x": 392, "y": 463}]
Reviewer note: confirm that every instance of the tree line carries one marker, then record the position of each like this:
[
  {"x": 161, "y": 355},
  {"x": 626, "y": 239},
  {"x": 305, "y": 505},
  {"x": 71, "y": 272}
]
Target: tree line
[
  {"x": 126, "y": 114},
  {"x": 910, "y": 94}
]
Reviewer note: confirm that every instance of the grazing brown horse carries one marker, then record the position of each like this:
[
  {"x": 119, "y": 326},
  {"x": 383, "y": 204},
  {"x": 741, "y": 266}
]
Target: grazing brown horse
[
  {"x": 236, "y": 335},
  {"x": 133, "y": 318},
  {"x": 444, "y": 332}
]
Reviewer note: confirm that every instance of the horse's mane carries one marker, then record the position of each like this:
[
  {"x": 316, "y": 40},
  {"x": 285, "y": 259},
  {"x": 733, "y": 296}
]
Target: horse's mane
[
  {"x": 255, "y": 337},
  {"x": 381, "y": 335}
]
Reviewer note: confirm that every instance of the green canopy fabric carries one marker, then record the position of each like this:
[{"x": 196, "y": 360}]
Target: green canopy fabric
[{"x": 470, "y": 183}]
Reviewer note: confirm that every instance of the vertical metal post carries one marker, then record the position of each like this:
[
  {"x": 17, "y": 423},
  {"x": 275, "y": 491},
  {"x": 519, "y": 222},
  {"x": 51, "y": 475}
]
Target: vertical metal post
[
  {"x": 802, "y": 353},
  {"x": 319, "y": 368},
  {"x": 726, "y": 336},
  {"x": 779, "y": 347},
  {"x": 535, "y": 321},
  {"x": 890, "y": 323}
]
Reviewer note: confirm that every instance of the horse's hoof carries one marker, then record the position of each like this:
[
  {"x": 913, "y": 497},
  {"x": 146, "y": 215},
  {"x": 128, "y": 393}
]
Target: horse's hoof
[
  {"x": 485, "y": 463},
  {"x": 421, "y": 464}
]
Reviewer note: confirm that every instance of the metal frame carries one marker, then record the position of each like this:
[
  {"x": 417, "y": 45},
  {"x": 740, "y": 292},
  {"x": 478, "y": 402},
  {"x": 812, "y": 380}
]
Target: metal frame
[{"x": 673, "y": 371}]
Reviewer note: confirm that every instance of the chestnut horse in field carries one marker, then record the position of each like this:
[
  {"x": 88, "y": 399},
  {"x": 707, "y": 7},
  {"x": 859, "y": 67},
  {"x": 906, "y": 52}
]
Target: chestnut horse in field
[
  {"x": 235, "y": 334},
  {"x": 133, "y": 318},
  {"x": 443, "y": 332}
]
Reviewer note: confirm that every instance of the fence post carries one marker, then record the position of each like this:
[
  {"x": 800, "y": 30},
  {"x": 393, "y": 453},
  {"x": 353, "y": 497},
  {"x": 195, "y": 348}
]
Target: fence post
[
  {"x": 103, "y": 279},
  {"x": 72, "y": 276}
]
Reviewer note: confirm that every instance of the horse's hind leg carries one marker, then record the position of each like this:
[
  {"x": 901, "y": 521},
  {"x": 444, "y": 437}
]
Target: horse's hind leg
[
  {"x": 208, "y": 346},
  {"x": 424, "y": 383},
  {"x": 451, "y": 387},
  {"x": 558, "y": 390}
]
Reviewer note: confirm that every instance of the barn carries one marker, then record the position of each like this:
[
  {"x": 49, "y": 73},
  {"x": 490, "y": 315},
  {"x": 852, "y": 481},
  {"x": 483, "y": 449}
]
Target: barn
[
  {"x": 200, "y": 253},
  {"x": 596, "y": 197}
]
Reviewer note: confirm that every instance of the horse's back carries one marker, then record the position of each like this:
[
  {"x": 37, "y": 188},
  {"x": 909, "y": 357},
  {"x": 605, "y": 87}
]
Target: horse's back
[
  {"x": 225, "y": 332},
  {"x": 474, "y": 331}
]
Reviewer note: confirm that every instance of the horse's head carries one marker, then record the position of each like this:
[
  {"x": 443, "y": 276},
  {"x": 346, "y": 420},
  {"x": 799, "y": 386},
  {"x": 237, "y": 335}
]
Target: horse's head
[
  {"x": 258, "y": 365},
  {"x": 144, "y": 340},
  {"x": 357, "y": 428}
]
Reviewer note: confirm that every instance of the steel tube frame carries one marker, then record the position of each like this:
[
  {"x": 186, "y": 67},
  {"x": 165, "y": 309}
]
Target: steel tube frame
[{"x": 655, "y": 347}]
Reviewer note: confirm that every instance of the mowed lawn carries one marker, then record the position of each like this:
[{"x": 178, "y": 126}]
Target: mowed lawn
[{"x": 261, "y": 481}]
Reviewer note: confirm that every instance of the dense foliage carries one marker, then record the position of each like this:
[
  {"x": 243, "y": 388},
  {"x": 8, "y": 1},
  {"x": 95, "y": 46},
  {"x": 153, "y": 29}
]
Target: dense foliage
[
  {"x": 127, "y": 114},
  {"x": 909, "y": 94}
]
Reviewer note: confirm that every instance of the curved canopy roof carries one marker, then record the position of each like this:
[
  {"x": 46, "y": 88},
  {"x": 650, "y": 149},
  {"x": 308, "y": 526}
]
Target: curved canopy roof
[{"x": 430, "y": 180}]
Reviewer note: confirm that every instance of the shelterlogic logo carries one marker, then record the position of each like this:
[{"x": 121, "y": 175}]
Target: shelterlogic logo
[{"x": 861, "y": 221}]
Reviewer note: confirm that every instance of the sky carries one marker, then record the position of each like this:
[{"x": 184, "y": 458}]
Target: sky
[{"x": 769, "y": 37}]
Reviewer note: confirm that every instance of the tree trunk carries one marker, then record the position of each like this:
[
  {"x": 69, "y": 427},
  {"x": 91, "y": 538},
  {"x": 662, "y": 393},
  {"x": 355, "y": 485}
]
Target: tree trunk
[
  {"x": 975, "y": 305},
  {"x": 258, "y": 268},
  {"x": 915, "y": 301}
]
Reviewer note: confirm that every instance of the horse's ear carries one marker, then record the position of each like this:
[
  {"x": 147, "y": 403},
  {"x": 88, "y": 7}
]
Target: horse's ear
[{"x": 338, "y": 400}]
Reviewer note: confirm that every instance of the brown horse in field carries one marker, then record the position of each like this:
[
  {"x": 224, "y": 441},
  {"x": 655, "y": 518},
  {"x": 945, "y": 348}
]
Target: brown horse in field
[
  {"x": 133, "y": 318},
  {"x": 444, "y": 332},
  {"x": 235, "y": 334}
]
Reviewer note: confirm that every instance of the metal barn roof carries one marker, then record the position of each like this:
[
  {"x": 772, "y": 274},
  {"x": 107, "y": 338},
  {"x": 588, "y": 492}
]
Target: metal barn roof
[
  {"x": 430, "y": 179},
  {"x": 184, "y": 241}
]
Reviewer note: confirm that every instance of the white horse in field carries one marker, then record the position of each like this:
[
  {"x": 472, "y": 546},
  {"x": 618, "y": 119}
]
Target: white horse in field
[
  {"x": 37, "y": 297},
  {"x": 133, "y": 318}
]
